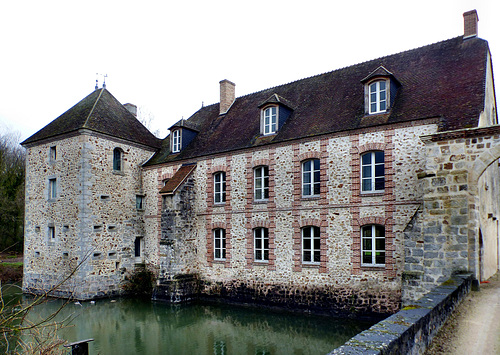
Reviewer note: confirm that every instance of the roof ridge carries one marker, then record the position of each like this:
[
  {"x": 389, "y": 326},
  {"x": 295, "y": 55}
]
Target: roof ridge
[{"x": 92, "y": 110}]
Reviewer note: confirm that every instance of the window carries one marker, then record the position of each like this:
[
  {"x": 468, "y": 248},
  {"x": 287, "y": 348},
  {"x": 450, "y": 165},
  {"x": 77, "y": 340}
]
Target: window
[
  {"x": 220, "y": 187},
  {"x": 372, "y": 172},
  {"x": 219, "y": 244},
  {"x": 270, "y": 120},
  {"x": 373, "y": 245},
  {"x": 310, "y": 178},
  {"x": 138, "y": 247},
  {"x": 117, "y": 159},
  {"x": 52, "y": 189},
  {"x": 139, "y": 202},
  {"x": 261, "y": 183},
  {"x": 52, "y": 233},
  {"x": 261, "y": 244},
  {"x": 176, "y": 141},
  {"x": 310, "y": 245},
  {"x": 53, "y": 154},
  {"x": 378, "y": 97}
]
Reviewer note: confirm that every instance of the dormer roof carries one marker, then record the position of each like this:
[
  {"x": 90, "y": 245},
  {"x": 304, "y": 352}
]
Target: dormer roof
[
  {"x": 276, "y": 99},
  {"x": 99, "y": 112},
  {"x": 185, "y": 124},
  {"x": 380, "y": 72}
]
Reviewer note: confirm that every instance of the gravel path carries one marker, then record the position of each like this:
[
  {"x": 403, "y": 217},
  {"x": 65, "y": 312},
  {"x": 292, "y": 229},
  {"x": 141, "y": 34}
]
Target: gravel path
[{"x": 474, "y": 327}]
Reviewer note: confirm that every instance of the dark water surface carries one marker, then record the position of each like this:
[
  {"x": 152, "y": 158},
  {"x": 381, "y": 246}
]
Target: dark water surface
[{"x": 126, "y": 326}]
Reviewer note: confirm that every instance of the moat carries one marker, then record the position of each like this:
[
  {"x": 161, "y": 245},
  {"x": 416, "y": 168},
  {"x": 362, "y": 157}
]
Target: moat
[{"x": 127, "y": 326}]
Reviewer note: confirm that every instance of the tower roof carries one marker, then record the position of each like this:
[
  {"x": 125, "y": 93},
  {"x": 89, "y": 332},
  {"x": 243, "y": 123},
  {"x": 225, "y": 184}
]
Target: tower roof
[{"x": 99, "y": 112}]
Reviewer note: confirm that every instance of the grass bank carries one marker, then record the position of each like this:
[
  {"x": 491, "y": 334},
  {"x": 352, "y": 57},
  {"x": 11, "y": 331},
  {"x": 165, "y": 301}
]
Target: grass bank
[{"x": 11, "y": 268}]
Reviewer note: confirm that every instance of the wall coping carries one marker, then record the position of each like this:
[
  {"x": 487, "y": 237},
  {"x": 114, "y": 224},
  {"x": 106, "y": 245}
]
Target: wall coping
[{"x": 410, "y": 331}]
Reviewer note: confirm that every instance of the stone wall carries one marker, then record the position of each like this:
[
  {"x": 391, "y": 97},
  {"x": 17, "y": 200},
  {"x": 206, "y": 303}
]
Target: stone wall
[
  {"x": 460, "y": 210},
  {"x": 93, "y": 216},
  {"x": 339, "y": 281}
]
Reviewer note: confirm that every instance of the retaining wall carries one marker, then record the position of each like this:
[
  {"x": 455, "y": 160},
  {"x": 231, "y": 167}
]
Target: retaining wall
[{"x": 410, "y": 331}]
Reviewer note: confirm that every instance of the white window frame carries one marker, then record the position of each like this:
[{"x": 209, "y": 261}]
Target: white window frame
[
  {"x": 52, "y": 189},
  {"x": 261, "y": 244},
  {"x": 220, "y": 187},
  {"x": 369, "y": 175},
  {"x": 311, "y": 178},
  {"x": 220, "y": 241},
  {"x": 377, "y": 96},
  {"x": 261, "y": 183},
  {"x": 369, "y": 247},
  {"x": 309, "y": 245},
  {"x": 270, "y": 120},
  {"x": 176, "y": 141}
]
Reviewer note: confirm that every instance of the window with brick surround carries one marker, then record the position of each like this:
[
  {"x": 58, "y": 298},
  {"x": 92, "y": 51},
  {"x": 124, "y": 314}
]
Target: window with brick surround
[
  {"x": 219, "y": 244},
  {"x": 372, "y": 172},
  {"x": 269, "y": 120},
  {"x": 372, "y": 245},
  {"x": 261, "y": 183},
  {"x": 176, "y": 141},
  {"x": 52, "y": 189},
  {"x": 311, "y": 178},
  {"x": 311, "y": 245},
  {"x": 261, "y": 244},
  {"x": 117, "y": 159},
  {"x": 220, "y": 187},
  {"x": 378, "y": 96}
]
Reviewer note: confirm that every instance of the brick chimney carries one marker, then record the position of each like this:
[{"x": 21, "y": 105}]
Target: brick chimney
[
  {"x": 227, "y": 93},
  {"x": 470, "y": 24},
  {"x": 131, "y": 108}
]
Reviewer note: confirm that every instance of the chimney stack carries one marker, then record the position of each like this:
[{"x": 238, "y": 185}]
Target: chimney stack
[
  {"x": 227, "y": 95},
  {"x": 470, "y": 24},
  {"x": 131, "y": 108}
]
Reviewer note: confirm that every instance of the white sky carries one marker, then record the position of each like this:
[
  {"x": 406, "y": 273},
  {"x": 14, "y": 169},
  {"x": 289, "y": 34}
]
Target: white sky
[{"x": 168, "y": 57}]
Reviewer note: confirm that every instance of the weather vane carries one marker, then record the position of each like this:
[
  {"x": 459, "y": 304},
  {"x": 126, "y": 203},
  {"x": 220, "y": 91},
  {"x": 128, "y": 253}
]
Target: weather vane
[{"x": 104, "y": 76}]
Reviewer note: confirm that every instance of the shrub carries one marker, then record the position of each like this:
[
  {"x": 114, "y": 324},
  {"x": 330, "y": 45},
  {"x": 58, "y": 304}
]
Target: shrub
[{"x": 140, "y": 282}]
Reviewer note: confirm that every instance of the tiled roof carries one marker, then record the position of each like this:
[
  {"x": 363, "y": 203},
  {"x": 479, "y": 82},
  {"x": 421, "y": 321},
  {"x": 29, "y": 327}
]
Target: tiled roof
[
  {"x": 444, "y": 80},
  {"x": 100, "y": 112},
  {"x": 179, "y": 177}
]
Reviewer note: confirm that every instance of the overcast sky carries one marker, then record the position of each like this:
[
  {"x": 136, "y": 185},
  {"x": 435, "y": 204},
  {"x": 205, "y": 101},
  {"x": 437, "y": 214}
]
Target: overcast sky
[{"x": 168, "y": 57}]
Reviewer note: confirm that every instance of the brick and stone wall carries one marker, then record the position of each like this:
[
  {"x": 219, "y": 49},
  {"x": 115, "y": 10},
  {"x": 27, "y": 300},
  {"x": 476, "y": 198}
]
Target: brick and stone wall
[{"x": 338, "y": 282}]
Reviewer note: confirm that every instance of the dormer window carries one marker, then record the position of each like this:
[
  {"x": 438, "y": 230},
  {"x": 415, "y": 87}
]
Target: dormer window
[
  {"x": 176, "y": 141},
  {"x": 378, "y": 97},
  {"x": 381, "y": 87},
  {"x": 270, "y": 120}
]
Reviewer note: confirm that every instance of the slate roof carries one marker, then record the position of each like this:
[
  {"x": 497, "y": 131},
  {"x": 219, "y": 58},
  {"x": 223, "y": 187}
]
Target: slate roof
[
  {"x": 100, "y": 112},
  {"x": 445, "y": 80}
]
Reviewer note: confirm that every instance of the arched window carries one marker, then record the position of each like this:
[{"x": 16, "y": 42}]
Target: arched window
[
  {"x": 261, "y": 183},
  {"x": 270, "y": 120},
  {"x": 117, "y": 159},
  {"x": 261, "y": 244},
  {"x": 378, "y": 97},
  {"x": 372, "y": 172},
  {"x": 373, "y": 245},
  {"x": 220, "y": 187},
  {"x": 219, "y": 244},
  {"x": 311, "y": 178},
  {"x": 311, "y": 241}
]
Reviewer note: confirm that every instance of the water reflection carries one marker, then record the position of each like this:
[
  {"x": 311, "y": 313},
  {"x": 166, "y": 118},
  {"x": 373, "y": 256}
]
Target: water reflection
[{"x": 136, "y": 327}]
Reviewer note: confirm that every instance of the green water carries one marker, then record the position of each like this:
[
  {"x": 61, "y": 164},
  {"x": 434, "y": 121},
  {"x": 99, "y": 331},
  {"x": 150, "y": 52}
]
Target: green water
[{"x": 127, "y": 326}]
